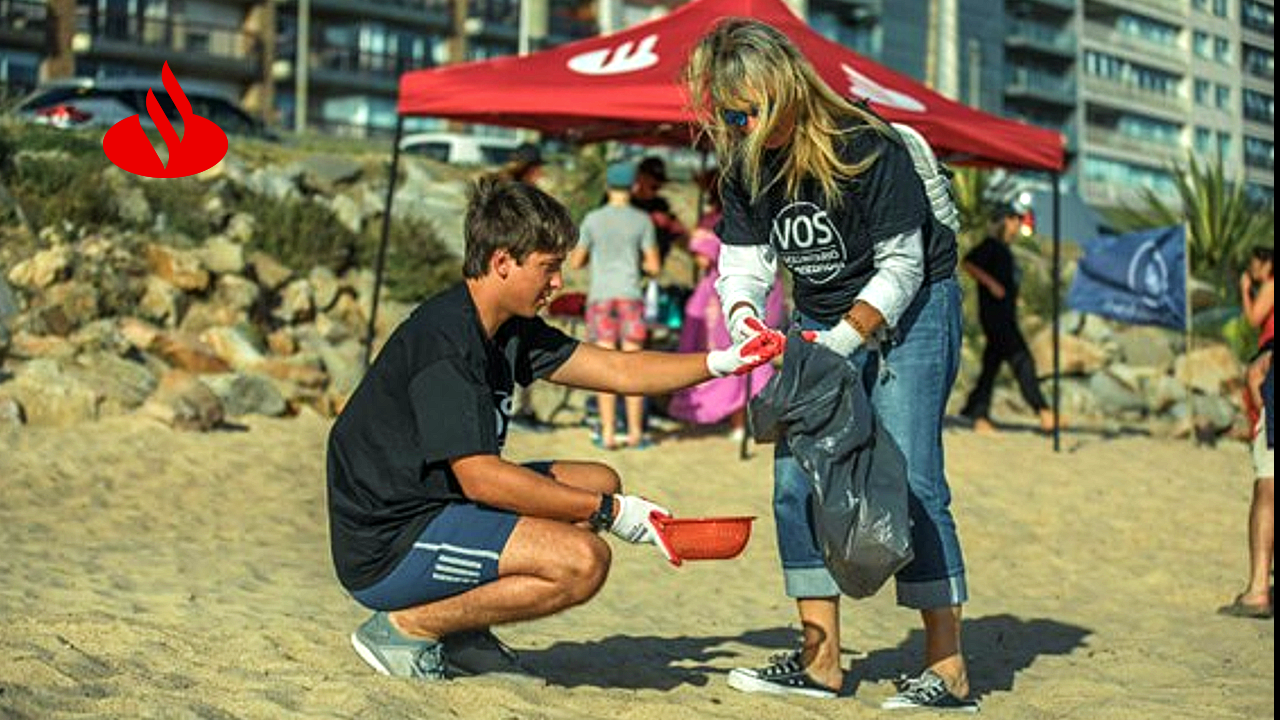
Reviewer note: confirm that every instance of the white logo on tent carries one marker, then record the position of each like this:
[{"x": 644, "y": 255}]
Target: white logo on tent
[
  {"x": 625, "y": 58},
  {"x": 861, "y": 86}
]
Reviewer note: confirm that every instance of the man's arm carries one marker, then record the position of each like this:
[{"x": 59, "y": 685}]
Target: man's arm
[
  {"x": 631, "y": 373},
  {"x": 490, "y": 480},
  {"x": 1258, "y": 305},
  {"x": 984, "y": 278}
]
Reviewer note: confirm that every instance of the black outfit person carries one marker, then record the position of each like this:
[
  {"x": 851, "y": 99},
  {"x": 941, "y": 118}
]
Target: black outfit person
[{"x": 999, "y": 318}]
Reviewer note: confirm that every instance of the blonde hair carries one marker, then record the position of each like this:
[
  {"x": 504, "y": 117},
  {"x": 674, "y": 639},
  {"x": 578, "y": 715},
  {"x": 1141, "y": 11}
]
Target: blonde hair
[{"x": 743, "y": 59}]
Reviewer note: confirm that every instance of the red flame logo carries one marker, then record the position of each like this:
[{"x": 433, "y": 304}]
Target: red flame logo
[{"x": 201, "y": 146}]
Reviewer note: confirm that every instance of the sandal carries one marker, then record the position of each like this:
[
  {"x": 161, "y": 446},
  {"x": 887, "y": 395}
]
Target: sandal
[{"x": 1241, "y": 609}]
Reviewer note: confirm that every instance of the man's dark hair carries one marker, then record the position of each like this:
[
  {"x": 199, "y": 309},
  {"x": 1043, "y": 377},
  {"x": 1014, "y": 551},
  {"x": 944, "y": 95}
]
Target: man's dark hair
[
  {"x": 516, "y": 216},
  {"x": 1262, "y": 253}
]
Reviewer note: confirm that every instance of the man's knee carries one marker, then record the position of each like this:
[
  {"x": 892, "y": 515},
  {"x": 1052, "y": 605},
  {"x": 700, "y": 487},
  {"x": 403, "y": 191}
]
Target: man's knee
[{"x": 581, "y": 568}]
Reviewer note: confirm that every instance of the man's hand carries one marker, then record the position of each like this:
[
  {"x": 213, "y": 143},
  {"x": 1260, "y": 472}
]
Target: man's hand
[
  {"x": 763, "y": 345},
  {"x": 631, "y": 522},
  {"x": 743, "y": 323},
  {"x": 841, "y": 339}
]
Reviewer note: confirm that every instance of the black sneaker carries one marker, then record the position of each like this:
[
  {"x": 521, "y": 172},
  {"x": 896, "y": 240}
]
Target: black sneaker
[
  {"x": 785, "y": 675},
  {"x": 928, "y": 691},
  {"x": 480, "y": 652}
]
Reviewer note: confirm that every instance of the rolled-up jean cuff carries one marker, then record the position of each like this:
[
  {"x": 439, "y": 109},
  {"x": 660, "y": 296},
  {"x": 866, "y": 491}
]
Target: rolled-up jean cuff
[
  {"x": 809, "y": 583},
  {"x": 933, "y": 594}
]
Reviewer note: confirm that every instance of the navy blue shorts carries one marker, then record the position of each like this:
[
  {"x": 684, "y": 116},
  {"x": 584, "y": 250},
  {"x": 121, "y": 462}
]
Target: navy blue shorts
[{"x": 457, "y": 551}]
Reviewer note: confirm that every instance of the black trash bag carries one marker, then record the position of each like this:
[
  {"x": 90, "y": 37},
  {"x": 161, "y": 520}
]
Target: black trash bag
[{"x": 819, "y": 404}]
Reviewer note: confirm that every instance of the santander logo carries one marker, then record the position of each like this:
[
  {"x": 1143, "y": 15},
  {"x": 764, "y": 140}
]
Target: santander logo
[
  {"x": 201, "y": 146},
  {"x": 864, "y": 87},
  {"x": 625, "y": 58}
]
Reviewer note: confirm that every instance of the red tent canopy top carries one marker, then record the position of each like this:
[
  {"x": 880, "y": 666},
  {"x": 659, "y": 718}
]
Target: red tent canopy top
[{"x": 625, "y": 86}]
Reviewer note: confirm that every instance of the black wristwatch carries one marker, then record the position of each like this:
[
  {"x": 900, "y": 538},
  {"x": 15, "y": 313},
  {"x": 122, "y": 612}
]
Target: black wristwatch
[{"x": 602, "y": 518}]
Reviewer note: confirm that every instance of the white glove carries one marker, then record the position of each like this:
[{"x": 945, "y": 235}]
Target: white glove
[
  {"x": 632, "y": 523},
  {"x": 737, "y": 322},
  {"x": 763, "y": 345},
  {"x": 841, "y": 339}
]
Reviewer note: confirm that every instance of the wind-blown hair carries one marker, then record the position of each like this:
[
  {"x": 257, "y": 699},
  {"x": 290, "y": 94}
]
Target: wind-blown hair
[
  {"x": 516, "y": 216},
  {"x": 747, "y": 60}
]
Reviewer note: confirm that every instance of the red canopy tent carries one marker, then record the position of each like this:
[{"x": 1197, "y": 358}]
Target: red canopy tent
[{"x": 625, "y": 86}]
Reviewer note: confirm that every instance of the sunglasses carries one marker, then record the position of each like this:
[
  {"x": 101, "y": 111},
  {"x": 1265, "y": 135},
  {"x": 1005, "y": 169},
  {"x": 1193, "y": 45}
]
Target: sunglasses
[{"x": 738, "y": 118}]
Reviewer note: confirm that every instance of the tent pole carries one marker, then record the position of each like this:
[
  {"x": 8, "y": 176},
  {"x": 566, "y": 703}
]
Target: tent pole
[
  {"x": 1188, "y": 327},
  {"x": 382, "y": 243},
  {"x": 1057, "y": 281}
]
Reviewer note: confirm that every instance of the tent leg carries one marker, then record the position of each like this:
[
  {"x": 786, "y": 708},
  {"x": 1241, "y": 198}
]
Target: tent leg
[
  {"x": 1057, "y": 281},
  {"x": 382, "y": 244}
]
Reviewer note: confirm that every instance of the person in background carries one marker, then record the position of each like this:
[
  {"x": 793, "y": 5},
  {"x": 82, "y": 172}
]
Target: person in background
[
  {"x": 429, "y": 526},
  {"x": 651, "y": 175},
  {"x": 816, "y": 182},
  {"x": 618, "y": 243},
  {"x": 1258, "y": 303},
  {"x": 704, "y": 328},
  {"x": 994, "y": 267},
  {"x": 526, "y": 166}
]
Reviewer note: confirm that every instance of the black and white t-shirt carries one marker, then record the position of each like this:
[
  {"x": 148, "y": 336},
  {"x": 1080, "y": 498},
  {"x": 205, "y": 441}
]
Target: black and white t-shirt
[
  {"x": 438, "y": 390},
  {"x": 830, "y": 251}
]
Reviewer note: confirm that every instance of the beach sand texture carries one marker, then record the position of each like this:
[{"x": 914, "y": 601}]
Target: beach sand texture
[{"x": 148, "y": 573}]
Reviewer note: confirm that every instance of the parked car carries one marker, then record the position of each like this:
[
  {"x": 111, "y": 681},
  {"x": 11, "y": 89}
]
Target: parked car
[
  {"x": 89, "y": 103},
  {"x": 460, "y": 149}
]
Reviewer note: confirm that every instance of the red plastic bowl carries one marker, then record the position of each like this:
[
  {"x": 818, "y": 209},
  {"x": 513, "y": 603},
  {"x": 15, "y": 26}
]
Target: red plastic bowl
[{"x": 713, "y": 538}]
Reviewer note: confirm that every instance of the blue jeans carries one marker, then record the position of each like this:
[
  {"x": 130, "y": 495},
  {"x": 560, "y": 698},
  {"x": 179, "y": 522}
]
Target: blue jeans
[{"x": 908, "y": 382}]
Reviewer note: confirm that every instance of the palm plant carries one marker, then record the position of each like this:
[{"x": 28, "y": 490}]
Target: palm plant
[{"x": 1223, "y": 224}]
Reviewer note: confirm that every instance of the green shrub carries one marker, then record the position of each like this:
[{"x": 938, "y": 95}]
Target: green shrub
[
  {"x": 181, "y": 201},
  {"x": 417, "y": 264},
  {"x": 298, "y": 232}
]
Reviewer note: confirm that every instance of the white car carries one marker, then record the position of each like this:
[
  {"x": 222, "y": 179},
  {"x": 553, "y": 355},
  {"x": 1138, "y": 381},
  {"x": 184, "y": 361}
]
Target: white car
[{"x": 461, "y": 149}]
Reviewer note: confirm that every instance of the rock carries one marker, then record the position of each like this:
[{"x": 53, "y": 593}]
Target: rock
[{"x": 184, "y": 403}]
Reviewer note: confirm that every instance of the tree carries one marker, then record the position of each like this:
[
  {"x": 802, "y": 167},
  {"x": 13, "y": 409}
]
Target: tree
[{"x": 1223, "y": 224}]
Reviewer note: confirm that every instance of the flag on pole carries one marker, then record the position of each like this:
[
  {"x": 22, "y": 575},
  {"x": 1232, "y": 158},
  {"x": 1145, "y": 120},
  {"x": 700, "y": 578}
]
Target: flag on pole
[{"x": 1138, "y": 278}]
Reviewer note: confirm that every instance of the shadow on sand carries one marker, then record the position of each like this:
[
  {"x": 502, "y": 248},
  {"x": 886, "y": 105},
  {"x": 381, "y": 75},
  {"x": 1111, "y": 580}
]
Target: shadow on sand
[{"x": 997, "y": 646}]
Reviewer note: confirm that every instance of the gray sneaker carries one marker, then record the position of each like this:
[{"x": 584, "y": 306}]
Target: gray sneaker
[
  {"x": 480, "y": 652},
  {"x": 390, "y": 652}
]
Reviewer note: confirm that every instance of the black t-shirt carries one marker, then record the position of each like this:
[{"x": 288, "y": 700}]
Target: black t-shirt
[
  {"x": 995, "y": 258},
  {"x": 438, "y": 390},
  {"x": 830, "y": 251}
]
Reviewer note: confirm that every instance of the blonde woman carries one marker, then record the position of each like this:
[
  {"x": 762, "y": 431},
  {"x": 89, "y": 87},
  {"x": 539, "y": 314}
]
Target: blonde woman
[{"x": 823, "y": 186}]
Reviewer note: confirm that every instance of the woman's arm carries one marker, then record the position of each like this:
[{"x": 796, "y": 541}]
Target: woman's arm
[{"x": 1257, "y": 306}]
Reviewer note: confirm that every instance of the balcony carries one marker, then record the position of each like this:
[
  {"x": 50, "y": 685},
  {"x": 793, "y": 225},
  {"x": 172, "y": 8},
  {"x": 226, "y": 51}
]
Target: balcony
[
  {"x": 1112, "y": 41},
  {"x": 223, "y": 49},
  {"x": 1034, "y": 7},
  {"x": 1041, "y": 39},
  {"x": 1041, "y": 87},
  {"x": 345, "y": 69},
  {"x": 23, "y": 23},
  {"x": 1114, "y": 140},
  {"x": 1127, "y": 96},
  {"x": 431, "y": 14}
]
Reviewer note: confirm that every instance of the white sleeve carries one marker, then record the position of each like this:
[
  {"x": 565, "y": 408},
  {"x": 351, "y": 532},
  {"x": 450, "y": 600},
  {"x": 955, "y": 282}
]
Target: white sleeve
[
  {"x": 747, "y": 274},
  {"x": 899, "y": 274}
]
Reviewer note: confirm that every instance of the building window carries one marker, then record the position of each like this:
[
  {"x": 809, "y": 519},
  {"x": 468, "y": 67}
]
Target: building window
[
  {"x": 1224, "y": 144},
  {"x": 1200, "y": 44},
  {"x": 1222, "y": 97},
  {"x": 1150, "y": 129},
  {"x": 1201, "y": 5},
  {"x": 1122, "y": 71},
  {"x": 1259, "y": 62},
  {"x": 1202, "y": 92},
  {"x": 1148, "y": 29},
  {"x": 1204, "y": 140},
  {"x": 1258, "y": 17},
  {"x": 1220, "y": 8},
  {"x": 1222, "y": 50},
  {"x": 1259, "y": 153},
  {"x": 1259, "y": 107},
  {"x": 1123, "y": 174}
]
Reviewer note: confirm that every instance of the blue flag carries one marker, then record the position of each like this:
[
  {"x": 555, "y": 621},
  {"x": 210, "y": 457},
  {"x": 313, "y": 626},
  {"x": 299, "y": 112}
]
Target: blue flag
[{"x": 1139, "y": 278}]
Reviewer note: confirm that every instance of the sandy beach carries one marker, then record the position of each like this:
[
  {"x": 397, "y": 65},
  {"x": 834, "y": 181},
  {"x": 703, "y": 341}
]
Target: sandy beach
[{"x": 150, "y": 573}]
